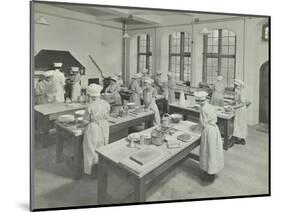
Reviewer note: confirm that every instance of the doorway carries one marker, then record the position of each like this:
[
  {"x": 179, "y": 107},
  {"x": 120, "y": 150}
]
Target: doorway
[{"x": 264, "y": 98}]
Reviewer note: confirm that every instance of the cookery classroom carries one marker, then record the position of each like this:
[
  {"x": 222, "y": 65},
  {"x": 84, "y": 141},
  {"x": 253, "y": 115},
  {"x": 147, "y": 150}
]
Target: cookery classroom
[{"x": 138, "y": 105}]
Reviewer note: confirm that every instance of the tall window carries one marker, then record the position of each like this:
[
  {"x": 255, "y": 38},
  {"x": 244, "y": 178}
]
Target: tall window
[
  {"x": 219, "y": 56},
  {"x": 180, "y": 46},
  {"x": 144, "y": 49}
]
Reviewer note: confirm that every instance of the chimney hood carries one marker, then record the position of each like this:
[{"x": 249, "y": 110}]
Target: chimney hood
[{"x": 45, "y": 59}]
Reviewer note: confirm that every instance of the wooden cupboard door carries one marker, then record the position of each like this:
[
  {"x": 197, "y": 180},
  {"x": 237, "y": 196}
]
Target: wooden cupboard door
[{"x": 264, "y": 94}]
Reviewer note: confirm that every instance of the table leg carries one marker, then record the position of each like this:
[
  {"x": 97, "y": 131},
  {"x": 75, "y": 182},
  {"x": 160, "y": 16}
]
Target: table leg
[
  {"x": 45, "y": 129},
  {"x": 140, "y": 190},
  {"x": 225, "y": 134},
  {"x": 78, "y": 158},
  {"x": 59, "y": 148},
  {"x": 102, "y": 180},
  {"x": 148, "y": 124}
]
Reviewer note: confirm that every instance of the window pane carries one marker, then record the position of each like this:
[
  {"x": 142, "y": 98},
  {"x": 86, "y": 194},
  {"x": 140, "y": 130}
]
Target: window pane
[
  {"x": 224, "y": 41},
  {"x": 143, "y": 52},
  {"x": 224, "y": 49},
  {"x": 231, "y": 40},
  {"x": 228, "y": 47},
  {"x": 227, "y": 71},
  {"x": 212, "y": 69},
  {"x": 231, "y": 50}
]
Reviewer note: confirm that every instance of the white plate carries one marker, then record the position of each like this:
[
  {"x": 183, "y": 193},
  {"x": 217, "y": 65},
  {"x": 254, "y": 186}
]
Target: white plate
[
  {"x": 66, "y": 118},
  {"x": 80, "y": 112}
]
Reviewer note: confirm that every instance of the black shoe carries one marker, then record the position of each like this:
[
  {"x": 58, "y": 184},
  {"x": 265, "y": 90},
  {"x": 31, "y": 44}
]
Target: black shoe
[
  {"x": 208, "y": 178},
  {"x": 241, "y": 141},
  {"x": 232, "y": 141}
]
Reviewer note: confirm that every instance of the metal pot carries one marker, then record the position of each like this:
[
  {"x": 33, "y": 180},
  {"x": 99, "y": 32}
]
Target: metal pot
[
  {"x": 166, "y": 120},
  {"x": 157, "y": 137}
]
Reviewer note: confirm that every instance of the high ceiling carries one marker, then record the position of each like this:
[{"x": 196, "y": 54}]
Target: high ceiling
[{"x": 138, "y": 16}]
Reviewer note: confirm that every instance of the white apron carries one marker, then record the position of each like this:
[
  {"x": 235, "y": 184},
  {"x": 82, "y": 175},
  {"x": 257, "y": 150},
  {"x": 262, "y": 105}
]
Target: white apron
[
  {"x": 171, "y": 91},
  {"x": 240, "y": 120},
  {"x": 96, "y": 133},
  {"x": 136, "y": 92},
  {"x": 76, "y": 91},
  {"x": 59, "y": 80},
  {"x": 211, "y": 146},
  {"x": 149, "y": 96},
  {"x": 218, "y": 95},
  {"x": 114, "y": 89}
]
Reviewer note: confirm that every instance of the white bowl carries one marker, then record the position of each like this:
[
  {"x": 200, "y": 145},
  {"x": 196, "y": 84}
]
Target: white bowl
[
  {"x": 66, "y": 118},
  {"x": 134, "y": 136},
  {"x": 80, "y": 119},
  {"x": 80, "y": 112}
]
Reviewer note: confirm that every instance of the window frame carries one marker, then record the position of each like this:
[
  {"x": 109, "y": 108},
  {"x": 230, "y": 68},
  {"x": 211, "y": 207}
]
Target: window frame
[
  {"x": 182, "y": 54},
  {"x": 219, "y": 55},
  {"x": 147, "y": 53}
]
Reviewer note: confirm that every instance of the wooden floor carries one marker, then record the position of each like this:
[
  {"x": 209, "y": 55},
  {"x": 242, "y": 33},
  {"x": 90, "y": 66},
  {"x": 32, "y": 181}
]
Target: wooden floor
[{"x": 245, "y": 173}]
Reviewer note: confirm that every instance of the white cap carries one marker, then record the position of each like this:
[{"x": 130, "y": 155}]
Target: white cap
[
  {"x": 58, "y": 64},
  {"x": 38, "y": 73},
  {"x": 148, "y": 80},
  {"x": 48, "y": 73},
  {"x": 144, "y": 71},
  {"x": 220, "y": 78},
  {"x": 238, "y": 82},
  {"x": 137, "y": 76},
  {"x": 115, "y": 78},
  {"x": 158, "y": 73},
  {"x": 94, "y": 90},
  {"x": 171, "y": 74},
  {"x": 74, "y": 69},
  {"x": 200, "y": 95}
]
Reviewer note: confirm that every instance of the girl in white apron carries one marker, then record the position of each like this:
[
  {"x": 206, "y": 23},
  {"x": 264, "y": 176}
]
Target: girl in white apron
[
  {"x": 96, "y": 133},
  {"x": 149, "y": 98},
  {"x": 114, "y": 89},
  {"x": 240, "y": 130},
  {"x": 171, "y": 87},
  {"x": 211, "y": 146},
  {"x": 76, "y": 87},
  {"x": 136, "y": 89},
  {"x": 218, "y": 94},
  {"x": 59, "y": 80}
]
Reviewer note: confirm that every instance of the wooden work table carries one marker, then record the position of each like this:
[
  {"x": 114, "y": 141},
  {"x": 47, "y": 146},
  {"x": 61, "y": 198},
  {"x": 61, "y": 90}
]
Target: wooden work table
[
  {"x": 225, "y": 120},
  {"x": 116, "y": 158},
  {"x": 73, "y": 133},
  {"x": 46, "y": 114}
]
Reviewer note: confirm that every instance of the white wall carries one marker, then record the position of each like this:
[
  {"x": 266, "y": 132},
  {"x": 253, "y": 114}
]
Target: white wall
[
  {"x": 251, "y": 52},
  {"x": 82, "y": 35}
]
